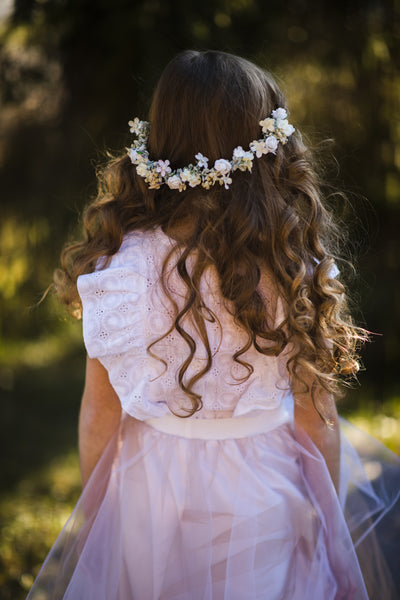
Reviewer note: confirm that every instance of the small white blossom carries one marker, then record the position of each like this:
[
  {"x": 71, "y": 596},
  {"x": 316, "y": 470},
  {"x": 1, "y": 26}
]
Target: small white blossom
[
  {"x": 289, "y": 129},
  {"x": 258, "y": 146},
  {"x": 271, "y": 144},
  {"x": 175, "y": 183},
  {"x": 190, "y": 176},
  {"x": 268, "y": 125},
  {"x": 223, "y": 166},
  {"x": 202, "y": 161},
  {"x": 279, "y": 113},
  {"x": 141, "y": 169},
  {"x": 285, "y": 127},
  {"x": 242, "y": 159},
  {"x": 133, "y": 154},
  {"x": 186, "y": 174},
  {"x": 227, "y": 181},
  {"x": 135, "y": 126},
  {"x": 195, "y": 180},
  {"x": 238, "y": 152},
  {"x": 163, "y": 167}
]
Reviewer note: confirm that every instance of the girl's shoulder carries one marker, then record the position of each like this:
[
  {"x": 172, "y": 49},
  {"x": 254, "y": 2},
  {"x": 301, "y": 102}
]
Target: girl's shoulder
[
  {"x": 140, "y": 252},
  {"x": 114, "y": 294},
  {"x": 134, "y": 266},
  {"x": 139, "y": 249}
]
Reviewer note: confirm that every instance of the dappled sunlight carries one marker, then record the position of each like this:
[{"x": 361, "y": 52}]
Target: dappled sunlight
[
  {"x": 32, "y": 517},
  {"x": 382, "y": 427},
  {"x": 381, "y": 422},
  {"x": 17, "y": 239},
  {"x": 317, "y": 90},
  {"x": 43, "y": 351}
]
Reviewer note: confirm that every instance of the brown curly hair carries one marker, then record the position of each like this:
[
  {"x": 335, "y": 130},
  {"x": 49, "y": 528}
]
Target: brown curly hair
[{"x": 272, "y": 219}]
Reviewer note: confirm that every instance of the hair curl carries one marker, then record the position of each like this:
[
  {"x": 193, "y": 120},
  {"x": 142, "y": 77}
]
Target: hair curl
[{"x": 272, "y": 220}]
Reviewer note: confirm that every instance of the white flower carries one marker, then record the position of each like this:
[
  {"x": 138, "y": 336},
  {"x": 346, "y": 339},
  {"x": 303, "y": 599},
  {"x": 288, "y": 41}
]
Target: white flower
[
  {"x": 135, "y": 126},
  {"x": 242, "y": 160},
  {"x": 271, "y": 144},
  {"x": 186, "y": 174},
  {"x": 223, "y": 166},
  {"x": 238, "y": 152},
  {"x": 141, "y": 169},
  {"x": 133, "y": 154},
  {"x": 279, "y": 113},
  {"x": 202, "y": 161},
  {"x": 268, "y": 125},
  {"x": 258, "y": 146},
  {"x": 163, "y": 167},
  {"x": 285, "y": 127},
  {"x": 227, "y": 181},
  {"x": 190, "y": 176},
  {"x": 175, "y": 183},
  {"x": 195, "y": 180}
]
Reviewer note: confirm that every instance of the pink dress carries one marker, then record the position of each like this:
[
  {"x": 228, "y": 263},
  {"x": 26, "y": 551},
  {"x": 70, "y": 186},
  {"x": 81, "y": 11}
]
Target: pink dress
[{"x": 227, "y": 504}]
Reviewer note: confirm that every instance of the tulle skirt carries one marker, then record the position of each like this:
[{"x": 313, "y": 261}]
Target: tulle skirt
[{"x": 165, "y": 517}]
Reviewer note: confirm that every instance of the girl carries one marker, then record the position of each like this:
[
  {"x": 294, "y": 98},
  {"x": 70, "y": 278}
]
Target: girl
[{"x": 217, "y": 334}]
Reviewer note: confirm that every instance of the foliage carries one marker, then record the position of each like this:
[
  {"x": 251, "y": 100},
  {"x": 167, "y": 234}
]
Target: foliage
[{"x": 35, "y": 514}]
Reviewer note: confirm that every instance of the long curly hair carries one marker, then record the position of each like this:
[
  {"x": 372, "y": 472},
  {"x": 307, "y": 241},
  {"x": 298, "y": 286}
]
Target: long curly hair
[{"x": 272, "y": 219}]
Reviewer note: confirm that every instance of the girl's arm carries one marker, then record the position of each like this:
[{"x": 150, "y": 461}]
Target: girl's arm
[
  {"x": 325, "y": 437},
  {"x": 99, "y": 416}
]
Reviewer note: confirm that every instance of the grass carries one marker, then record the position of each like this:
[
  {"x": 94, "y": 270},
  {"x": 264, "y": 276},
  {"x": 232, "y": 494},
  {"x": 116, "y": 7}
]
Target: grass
[
  {"x": 40, "y": 475},
  {"x": 39, "y": 465},
  {"x": 380, "y": 419},
  {"x": 33, "y": 515}
]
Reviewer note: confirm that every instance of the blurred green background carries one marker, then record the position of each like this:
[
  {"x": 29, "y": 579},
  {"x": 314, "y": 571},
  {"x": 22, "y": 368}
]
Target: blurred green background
[{"x": 72, "y": 73}]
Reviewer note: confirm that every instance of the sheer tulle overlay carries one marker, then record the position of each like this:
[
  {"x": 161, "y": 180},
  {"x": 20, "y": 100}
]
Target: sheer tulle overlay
[{"x": 167, "y": 517}]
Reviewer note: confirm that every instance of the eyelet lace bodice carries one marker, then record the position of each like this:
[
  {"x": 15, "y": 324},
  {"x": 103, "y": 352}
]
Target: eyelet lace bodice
[{"x": 125, "y": 309}]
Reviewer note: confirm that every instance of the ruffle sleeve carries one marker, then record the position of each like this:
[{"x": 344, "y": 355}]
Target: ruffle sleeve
[
  {"x": 112, "y": 310},
  {"x": 117, "y": 315}
]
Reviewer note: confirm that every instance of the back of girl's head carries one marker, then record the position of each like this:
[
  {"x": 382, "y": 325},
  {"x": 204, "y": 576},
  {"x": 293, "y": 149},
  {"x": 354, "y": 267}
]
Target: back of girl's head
[
  {"x": 212, "y": 102},
  {"x": 209, "y": 102}
]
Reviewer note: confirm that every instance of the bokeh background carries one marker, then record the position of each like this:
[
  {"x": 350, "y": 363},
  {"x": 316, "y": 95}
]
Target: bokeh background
[{"x": 72, "y": 73}]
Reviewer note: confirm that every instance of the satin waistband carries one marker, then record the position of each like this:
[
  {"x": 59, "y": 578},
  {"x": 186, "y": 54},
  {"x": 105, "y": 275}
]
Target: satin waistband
[{"x": 220, "y": 429}]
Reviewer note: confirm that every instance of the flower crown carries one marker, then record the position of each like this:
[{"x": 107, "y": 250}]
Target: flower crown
[{"x": 276, "y": 129}]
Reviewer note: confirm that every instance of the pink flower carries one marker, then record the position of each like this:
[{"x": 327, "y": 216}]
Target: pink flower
[{"x": 163, "y": 167}]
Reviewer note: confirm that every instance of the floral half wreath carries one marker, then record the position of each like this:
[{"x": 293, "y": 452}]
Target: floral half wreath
[{"x": 158, "y": 172}]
